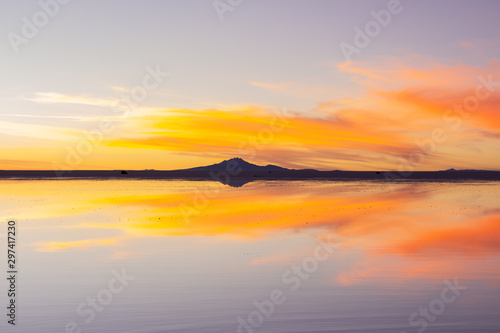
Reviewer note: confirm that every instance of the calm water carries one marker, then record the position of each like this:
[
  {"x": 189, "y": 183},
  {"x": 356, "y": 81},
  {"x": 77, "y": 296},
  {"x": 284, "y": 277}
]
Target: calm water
[{"x": 275, "y": 256}]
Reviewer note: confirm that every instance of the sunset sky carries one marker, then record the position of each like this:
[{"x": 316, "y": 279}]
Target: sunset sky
[{"x": 269, "y": 82}]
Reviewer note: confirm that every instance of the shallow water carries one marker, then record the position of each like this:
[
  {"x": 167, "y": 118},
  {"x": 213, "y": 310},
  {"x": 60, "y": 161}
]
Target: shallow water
[{"x": 205, "y": 257}]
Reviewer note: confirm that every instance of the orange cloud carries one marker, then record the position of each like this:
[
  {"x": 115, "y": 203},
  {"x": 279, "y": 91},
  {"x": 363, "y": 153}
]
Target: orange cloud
[
  {"x": 253, "y": 131},
  {"x": 402, "y": 105}
]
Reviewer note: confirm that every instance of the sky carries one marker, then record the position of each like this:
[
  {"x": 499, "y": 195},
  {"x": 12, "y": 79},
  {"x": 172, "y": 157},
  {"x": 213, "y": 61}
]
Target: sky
[{"x": 351, "y": 85}]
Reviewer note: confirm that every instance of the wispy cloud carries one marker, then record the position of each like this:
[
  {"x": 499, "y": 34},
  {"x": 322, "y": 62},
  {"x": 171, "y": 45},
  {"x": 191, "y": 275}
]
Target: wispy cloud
[
  {"x": 80, "y": 245},
  {"x": 33, "y": 131},
  {"x": 112, "y": 104},
  {"x": 54, "y": 98}
]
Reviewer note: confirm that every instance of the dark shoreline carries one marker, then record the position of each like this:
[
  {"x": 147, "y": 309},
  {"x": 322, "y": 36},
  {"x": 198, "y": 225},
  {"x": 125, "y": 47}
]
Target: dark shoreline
[{"x": 251, "y": 175}]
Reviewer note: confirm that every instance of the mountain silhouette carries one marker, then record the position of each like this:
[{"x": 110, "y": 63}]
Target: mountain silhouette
[{"x": 238, "y": 164}]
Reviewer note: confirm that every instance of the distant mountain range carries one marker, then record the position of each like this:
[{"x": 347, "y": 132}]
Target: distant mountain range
[
  {"x": 240, "y": 164},
  {"x": 246, "y": 172}
]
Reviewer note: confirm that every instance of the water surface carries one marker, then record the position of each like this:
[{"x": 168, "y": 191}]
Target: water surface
[{"x": 343, "y": 256}]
